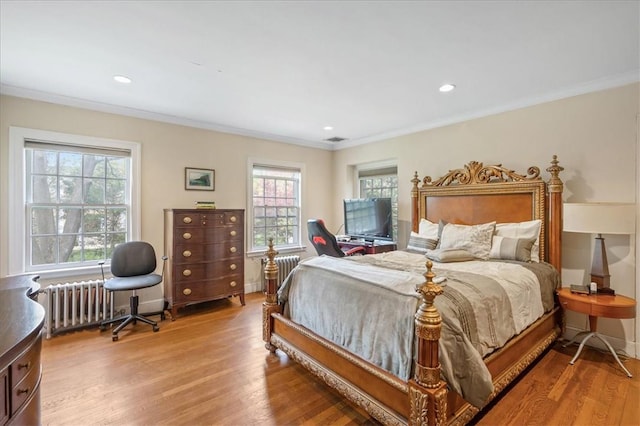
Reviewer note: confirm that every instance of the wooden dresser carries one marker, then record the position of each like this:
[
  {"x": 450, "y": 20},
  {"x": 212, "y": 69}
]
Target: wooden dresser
[
  {"x": 21, "y": 322},
  {"x": 206, "y": 255}
]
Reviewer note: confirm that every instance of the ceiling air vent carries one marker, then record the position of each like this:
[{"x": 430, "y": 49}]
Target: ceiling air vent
[{"x": 335, "y": 139}]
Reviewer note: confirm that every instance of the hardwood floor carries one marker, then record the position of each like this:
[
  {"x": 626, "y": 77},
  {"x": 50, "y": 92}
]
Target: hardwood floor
[{"x": 210, "y": 367}]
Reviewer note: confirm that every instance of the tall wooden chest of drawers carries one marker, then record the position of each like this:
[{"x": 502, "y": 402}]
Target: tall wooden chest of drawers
[{"x": 205, "y": 248}]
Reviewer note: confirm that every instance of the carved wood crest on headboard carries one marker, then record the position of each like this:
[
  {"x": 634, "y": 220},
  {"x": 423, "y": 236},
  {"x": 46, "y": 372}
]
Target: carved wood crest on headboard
[{"x": 477, "y": 173}]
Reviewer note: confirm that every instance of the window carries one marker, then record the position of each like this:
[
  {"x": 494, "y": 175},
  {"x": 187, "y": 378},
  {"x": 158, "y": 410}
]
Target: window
[
  {"x": 77, "y": 200},
  {"x": 275, "y": 206},
  {"x": 381, "y": 183}
]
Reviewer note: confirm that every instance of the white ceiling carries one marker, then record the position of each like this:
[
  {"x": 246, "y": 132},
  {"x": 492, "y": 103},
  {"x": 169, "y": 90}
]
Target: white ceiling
[{"x": 282, "y": 70}]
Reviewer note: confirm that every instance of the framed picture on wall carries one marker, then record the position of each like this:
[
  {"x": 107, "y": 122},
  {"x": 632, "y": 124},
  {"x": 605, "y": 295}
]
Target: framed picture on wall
[{"x": 199, "y": 179}]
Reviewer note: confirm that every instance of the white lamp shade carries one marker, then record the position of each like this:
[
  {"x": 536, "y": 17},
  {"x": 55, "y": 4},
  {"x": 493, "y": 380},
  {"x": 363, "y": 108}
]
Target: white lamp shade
[{"x": 599, "y": 218}]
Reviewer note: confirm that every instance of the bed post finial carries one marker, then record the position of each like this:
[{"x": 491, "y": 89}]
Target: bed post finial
[
  {"x": 414, "y": 203},
  {"x": 555, "y": 188},
  {"x": 427, "y": 391},
  {"x": 555, "y": 183},
  {"x": 270, "y": 305}
]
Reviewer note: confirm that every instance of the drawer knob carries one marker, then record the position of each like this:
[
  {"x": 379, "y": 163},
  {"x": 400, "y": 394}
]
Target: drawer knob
[
  {"x": 233, "y": 267},
  {"x": 187, "y": 220},
  {"x": 21, "y": 366},
  {"x": 21, "y": 391},
  {"x": 233, "y": 249},
  {"x": 233, "y": 283},
  {"x": 186, "y": 291},
  {"x": 233, "y": 219},
  {"x": 233, "y": 233},
  {"x": 186, "y": 236},
  {"x": 186, "y": 253},
  {"x": 186, "y": 272}
]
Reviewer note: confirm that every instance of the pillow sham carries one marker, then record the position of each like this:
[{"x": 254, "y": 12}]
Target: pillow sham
[
  {"x": 420, "y": 244},
  {"x": 476, "y": 239},
  {"x": 528, "y": 229},
  {"x": 505, "y": 248},
  {"x": 428, "y": 229},
  {"x": 449, "y": 255}
]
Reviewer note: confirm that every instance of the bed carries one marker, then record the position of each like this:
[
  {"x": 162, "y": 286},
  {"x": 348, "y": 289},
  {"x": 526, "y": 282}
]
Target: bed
[{"x": 471, "y": 196}]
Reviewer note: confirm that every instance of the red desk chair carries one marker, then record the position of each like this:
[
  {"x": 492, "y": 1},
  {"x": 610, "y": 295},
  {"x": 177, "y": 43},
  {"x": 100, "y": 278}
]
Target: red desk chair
[{"x": 325, "y": 242}]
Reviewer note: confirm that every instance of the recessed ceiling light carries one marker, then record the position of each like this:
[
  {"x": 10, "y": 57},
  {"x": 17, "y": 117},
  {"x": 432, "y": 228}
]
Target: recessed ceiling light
[
  {"x": 328, "y": 128},
  {"x": 122, "y": 79},
  {"x": 447, "y": 87}
]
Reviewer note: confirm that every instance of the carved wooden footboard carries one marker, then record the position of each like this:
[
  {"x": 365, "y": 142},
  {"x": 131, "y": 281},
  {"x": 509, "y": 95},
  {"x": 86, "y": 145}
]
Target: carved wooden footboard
[
  {"x": 426, "y": 391},
  {"x": 424, "y": 399}
]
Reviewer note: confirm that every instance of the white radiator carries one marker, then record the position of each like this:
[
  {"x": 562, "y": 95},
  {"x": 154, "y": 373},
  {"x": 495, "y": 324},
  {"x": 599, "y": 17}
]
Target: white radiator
[
  {"x": 285, "y": 266},
  {"x": 70, "y": 306}
]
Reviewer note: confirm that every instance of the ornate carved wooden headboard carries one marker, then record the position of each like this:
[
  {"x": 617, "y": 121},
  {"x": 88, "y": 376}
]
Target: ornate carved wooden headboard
[{"x": 478, "y": 194}]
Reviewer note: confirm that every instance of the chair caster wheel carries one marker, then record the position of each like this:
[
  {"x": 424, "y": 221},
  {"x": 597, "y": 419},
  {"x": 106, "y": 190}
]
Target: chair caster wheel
[
  {"x": 156, "y": 328},
  {"x": 114, "y": 338}
]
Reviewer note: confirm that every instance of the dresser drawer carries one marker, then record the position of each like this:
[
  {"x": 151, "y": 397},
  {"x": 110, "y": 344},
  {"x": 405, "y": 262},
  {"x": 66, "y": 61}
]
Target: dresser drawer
[
  {"x": 29, "y": 413},
  {"x": 209, "y": 289},
  {"x": 200, "y": 235},
  {"x": 193, "y": 253},
  {"x": 202, "y": 271},
  {"x": 25, "y": 388},
  {"x": 197, "y": 219},
  {"x": 207, "y": 219},
  {"x": 28, "y": 361}
]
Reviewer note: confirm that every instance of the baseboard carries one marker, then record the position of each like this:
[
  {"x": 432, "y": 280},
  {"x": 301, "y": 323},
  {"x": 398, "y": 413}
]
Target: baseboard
[
  {"x": 145, "y": 306},
  {"x": 156, "y": 305},
  {"x": 253, "y": 287},
  {"x": 621, "y": 346}
]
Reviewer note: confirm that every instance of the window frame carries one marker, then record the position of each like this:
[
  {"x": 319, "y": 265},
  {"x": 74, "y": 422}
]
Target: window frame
[
  {"x": 371, "y": 170},
  {"x": 253, "y": 251},
  {"x": 17, "y": 211}
]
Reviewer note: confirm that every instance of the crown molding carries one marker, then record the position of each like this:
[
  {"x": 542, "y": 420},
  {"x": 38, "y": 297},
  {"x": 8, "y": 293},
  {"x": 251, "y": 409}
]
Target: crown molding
[
  {"x": 37, "y": 95},
  {"x": 580, "y": 89}
]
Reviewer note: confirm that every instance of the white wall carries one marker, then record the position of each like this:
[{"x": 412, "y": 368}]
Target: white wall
[
  {"x": 594, "y": 136},
  {"x": 166, "y": 150}
]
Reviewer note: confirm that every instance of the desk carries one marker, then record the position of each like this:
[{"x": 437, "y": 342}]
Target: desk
[
  {"x": 370, "y": 248},
  {"x": 22, "y": 320},
  {"x": 597, "y": 305}
]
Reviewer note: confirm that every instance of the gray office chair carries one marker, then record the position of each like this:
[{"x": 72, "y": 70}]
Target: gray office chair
[{"x": 132, "y": 266}]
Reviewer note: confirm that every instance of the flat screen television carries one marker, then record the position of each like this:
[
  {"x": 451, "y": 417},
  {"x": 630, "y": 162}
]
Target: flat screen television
[{"x": 368, "y": 218}]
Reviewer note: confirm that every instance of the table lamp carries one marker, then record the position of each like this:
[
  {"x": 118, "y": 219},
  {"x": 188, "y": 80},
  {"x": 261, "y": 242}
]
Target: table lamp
[{"x": 600, "y": 218}]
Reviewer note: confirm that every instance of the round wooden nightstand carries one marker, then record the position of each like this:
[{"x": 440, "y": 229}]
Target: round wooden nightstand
[{"x": 596, "y": 306}]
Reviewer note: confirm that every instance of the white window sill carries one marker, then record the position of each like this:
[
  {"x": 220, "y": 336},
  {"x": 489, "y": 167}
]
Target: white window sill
[{"x": 71, "y": 274}]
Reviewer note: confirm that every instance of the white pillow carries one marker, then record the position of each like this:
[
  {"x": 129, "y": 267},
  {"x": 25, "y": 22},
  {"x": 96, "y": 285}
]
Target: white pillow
[
  {"x": 476, "y": 239},
  {"x": 529, "y": 229},
  {"x": 428, "y": 229}
]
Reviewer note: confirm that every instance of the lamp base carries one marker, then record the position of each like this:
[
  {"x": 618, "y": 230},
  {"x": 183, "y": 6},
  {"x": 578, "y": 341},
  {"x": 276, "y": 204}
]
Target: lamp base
[{"x": 600, "y": 268}]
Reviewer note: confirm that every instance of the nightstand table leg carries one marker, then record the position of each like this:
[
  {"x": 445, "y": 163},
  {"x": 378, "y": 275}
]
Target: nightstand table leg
[
  {"x": 588, "y": 336},
  {"x": 576, "y": 337},
  {"x": 615, "y": 355},
  {"x": 603, "y": 340}
]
